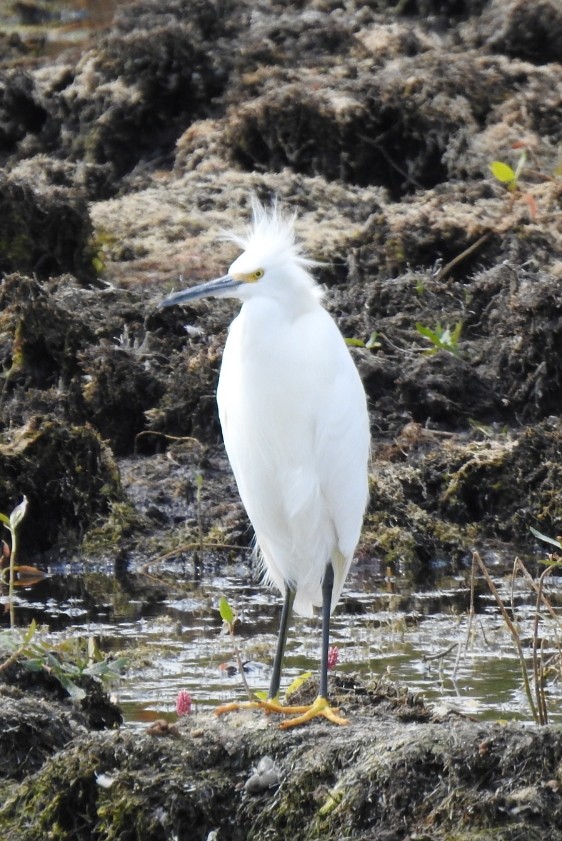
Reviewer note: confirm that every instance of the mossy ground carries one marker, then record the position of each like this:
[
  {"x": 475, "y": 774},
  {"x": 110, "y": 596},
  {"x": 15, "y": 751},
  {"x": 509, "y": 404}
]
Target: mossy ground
[{"x": 396, "y": 768}]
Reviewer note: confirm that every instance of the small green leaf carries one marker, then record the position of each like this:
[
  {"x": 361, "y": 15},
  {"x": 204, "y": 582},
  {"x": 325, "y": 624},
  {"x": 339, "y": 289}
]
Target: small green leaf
[
  {"x": 456, "y": 334},
  {"x": 98, "y": 265},
  {"x": 30, "y": 633},
  {"x": 297, "y": 683},
  {"x": 32, "y": 665},
  {"x": 18, "y": 514},
  {"x": 432, "y": 336},
  {"x": 540, "y": 536},
  {"x": 503, "y": 172},
  {"x": 373, "y": 341},
  {"x": 427, "y": 332},
  {"x": 5, "y": 520},
  {"x": 103, "y": 668},
  {"x": 420, "y": 286},
  {"x": 551, "y": 562},
  {"x": 442, "y": 338},
  {"x": 60, "y": 667},
  {"x": 226, "y": 612},
  {"x": 262, "y": 696},
  {"x": 76, "y": 692}
]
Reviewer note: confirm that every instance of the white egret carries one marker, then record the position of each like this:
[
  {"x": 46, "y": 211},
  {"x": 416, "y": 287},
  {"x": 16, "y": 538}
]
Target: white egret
[{"x": 294, "y": 418}]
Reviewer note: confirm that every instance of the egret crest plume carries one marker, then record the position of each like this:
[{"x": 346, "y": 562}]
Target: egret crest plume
[{"x": 272, "y": 231}]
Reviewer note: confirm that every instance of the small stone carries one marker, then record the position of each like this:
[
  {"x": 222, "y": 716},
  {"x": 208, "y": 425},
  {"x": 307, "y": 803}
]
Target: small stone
[{"x": 265, "y": 776}]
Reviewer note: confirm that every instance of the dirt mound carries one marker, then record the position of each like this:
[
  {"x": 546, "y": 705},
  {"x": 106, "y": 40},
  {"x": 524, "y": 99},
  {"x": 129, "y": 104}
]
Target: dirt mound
[
  {"x": 45, "y": 233},
  {"x": 378, "y": 124},
  {"x": 40, "y": 718},
  {"x": 397, "y": 771}
]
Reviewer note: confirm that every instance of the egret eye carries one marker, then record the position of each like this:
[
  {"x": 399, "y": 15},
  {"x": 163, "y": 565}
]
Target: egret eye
[{"x": 258, "y": 274}]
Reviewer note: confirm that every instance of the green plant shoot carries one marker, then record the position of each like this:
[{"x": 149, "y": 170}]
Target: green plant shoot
[
  {"x": 442, "y": 338},
  {"x": 297, "y": 683},
  {"x": 12, "y": 523},
  {"x": 505, "y": 174},
  {"x": 228, "y": 615},
  {"x": 372, "y": 342},
  {"x": 540, "y": 536}
]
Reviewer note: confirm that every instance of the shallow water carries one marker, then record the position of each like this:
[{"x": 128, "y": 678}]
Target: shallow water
[
  {"x": 424, "y": 640},
  {"x": 50, "y": 28}
]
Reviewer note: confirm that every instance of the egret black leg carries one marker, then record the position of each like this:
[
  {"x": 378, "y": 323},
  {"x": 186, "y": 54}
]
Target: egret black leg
[
  {"x": 300, "y": 714},
  {"x": 327, "y": 587},
  {"x": 320, "y": 707},
  {"x": 281, "y": 640}
]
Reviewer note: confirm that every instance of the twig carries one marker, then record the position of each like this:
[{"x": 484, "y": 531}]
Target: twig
[
  {"x": 377, "y": 143},
  {"x": 440, "y": 654},
  {"x": 521, "y": 566},
  {"x": 460, "y": 257},
  {"x": 241, "y": 669},
  {"x": 471, "y": 612},
  {"x": 186, "y": 547},
  {"x": 538, "y": 673},
  {"x": 182, "y": 438},
  {"x": 514, "y": 633},
  {"x": 13, "y": 657}
]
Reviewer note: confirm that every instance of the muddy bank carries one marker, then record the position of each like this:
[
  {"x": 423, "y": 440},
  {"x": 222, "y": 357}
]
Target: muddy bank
[{"x": 398, "y": 771}]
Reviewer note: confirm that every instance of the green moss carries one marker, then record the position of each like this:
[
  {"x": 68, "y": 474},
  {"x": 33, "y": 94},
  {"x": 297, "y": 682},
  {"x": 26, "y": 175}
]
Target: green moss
[
  {"x": 76, "y": 467},
  {"x": 396, "y": 543},
  {"x": 14, "y": 250},
  {"x": 122, "y": 521},
  {"x": 18, "y": 356}
]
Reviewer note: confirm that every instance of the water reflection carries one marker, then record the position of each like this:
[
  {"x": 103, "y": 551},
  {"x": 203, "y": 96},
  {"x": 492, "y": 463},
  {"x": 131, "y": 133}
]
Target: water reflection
[{"x": 173, "y": 640}]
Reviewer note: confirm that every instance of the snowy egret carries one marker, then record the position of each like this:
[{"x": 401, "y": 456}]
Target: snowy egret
[{"x": 294, "y": 418}]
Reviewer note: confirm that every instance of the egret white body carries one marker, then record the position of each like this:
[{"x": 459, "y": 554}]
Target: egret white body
[
  {"x": 294, "y": 418},
  {"x": 293, "y": 415}
]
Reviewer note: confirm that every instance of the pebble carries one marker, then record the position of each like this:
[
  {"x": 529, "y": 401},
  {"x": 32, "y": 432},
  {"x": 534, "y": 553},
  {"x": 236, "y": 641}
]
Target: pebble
[{"x": 265, "y": 776}]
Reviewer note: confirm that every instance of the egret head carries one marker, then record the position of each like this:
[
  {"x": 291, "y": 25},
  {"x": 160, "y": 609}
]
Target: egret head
[{"x": 272, "y": 263}]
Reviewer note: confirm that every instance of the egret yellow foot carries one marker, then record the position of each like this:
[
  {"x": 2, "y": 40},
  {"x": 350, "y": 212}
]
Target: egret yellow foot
[
  {"x": 300, "y": 714},
  {"x": 269, "y": 706},
  {"x": 238, "y": 705}
]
